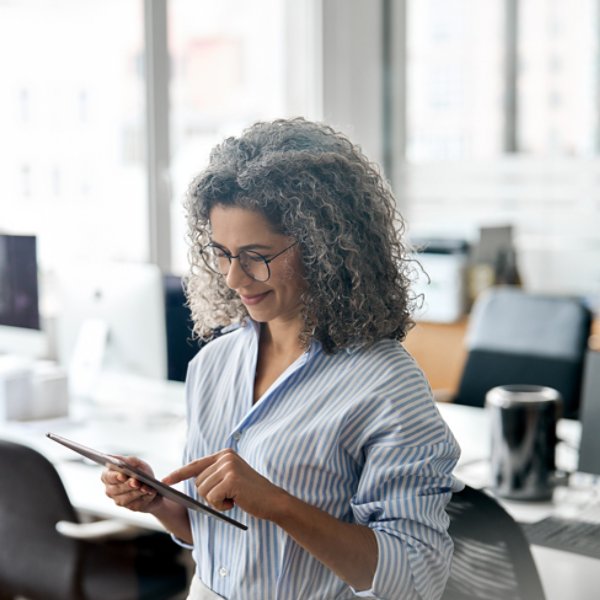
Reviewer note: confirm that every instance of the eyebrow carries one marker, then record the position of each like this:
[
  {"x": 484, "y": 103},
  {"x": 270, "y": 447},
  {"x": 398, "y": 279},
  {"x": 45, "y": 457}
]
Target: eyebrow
[{"x": 246, "y": 247}]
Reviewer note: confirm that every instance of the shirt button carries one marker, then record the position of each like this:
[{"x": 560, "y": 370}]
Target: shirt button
[
  {"x": 223, "y": 572},
  {"x": 237, "y": 436}
]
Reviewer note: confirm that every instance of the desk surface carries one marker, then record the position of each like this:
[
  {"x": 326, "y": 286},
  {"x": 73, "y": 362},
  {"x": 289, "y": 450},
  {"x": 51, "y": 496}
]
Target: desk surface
[{"x": 132, "y": 419}]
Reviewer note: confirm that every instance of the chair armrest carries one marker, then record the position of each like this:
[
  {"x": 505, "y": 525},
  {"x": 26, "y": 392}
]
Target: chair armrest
[{"x": 97, "y": 531}]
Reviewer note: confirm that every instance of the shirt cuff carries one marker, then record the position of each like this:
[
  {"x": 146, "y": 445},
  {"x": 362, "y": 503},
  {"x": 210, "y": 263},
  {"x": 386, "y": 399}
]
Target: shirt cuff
[
  {"x": 394, "y": 574},
  {"x": 181, "y": 543}
]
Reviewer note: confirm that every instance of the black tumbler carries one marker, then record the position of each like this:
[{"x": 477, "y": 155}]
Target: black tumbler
[{"x": 523, "y": 440}]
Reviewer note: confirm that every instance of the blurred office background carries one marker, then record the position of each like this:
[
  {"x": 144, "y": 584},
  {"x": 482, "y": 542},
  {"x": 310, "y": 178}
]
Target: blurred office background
[
  {"x": 484, "y": 116},
  {"x": 482, "y": 113}
]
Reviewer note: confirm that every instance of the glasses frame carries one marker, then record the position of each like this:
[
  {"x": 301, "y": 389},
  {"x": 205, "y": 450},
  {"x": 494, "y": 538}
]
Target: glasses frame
[{"x": 230, "y": 257}]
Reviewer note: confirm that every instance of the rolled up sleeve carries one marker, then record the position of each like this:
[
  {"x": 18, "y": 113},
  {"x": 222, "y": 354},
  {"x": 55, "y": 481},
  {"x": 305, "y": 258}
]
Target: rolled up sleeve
[{"x": 402, "y": 498}]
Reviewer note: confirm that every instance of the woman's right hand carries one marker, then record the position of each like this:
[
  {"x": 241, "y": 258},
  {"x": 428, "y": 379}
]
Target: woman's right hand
[{"x": 129, "y": 492}]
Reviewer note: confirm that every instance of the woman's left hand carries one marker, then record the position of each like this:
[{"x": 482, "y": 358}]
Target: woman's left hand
[{"x": 224, "y": 479}]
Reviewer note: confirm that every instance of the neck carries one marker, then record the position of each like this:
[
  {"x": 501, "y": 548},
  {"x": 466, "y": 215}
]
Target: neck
[{"x": 281, "y": 338}]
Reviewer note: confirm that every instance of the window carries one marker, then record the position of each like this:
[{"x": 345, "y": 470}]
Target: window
[
  {"x": 465, "y": 99},
  {"x": 454, "y": 93},
  {"x": 459, "y": 83},
  {"x": 227, "y": 72},
  {"x": 72, "y": 122},
  {"x": 73, "y": 111},
  {"x": 232, "y": 64},
  {"x": 558, "y": 85}
]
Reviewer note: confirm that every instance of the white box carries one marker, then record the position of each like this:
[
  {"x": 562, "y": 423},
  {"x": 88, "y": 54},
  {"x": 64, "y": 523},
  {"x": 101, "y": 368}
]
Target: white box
[
  {"x": 16, "y": 388},
  {"x": 31, "y": 390},
  {"x": 50, "y": 392}
]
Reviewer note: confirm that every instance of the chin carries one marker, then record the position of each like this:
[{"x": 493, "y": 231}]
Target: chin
[{"x": 260, "y": 316}]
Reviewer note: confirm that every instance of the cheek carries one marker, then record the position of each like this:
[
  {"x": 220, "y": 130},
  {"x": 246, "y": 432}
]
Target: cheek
[
  {"x": 295, "y": 273},
  {"x": 288, "y": 279},
  {"x": 294, "y": 283}
]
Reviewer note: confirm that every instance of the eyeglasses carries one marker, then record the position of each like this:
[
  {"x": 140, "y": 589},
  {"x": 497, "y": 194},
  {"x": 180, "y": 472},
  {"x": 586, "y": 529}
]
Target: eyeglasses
[{"x": 255, "y": 265}]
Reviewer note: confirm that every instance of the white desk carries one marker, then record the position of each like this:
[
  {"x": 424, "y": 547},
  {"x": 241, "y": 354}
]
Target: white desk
[{"x": 147, "y": 419}]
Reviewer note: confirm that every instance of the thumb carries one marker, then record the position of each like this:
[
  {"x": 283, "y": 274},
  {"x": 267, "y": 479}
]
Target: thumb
[{"x": 137, "y": 463}]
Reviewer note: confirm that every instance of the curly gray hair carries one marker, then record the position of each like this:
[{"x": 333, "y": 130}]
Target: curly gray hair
[{"x": 314, "y": 185}]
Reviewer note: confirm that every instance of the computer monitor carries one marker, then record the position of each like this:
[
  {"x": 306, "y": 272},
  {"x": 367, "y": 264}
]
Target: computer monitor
[
  {"x": 589, "y": 447},
  {"x": 111, "y": 317},
  {"x": 20, "y": 324}
]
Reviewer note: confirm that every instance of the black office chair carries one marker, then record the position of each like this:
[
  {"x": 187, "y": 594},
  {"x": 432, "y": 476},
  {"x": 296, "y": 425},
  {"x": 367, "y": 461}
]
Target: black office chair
[
  {"x": 39, "y": 563},
  {"x": 492, "y": 559},
  {"x": 515, "y": 337}
]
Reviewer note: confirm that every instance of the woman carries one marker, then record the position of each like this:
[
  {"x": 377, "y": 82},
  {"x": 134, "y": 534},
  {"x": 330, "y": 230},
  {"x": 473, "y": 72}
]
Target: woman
[{"x": 307, "y": 420}]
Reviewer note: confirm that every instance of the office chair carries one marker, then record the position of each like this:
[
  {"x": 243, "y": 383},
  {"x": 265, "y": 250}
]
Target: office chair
[
  {"x": 492, "y": 559},
  {"x": 515, "y": 337},
  {"x": 39, "y": 563}
]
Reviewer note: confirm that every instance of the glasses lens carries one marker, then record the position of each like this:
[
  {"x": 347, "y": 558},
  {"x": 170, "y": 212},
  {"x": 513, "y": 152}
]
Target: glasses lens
[
  {"x": 254, "y": 265},
  {"x": 215, "y": 259}
]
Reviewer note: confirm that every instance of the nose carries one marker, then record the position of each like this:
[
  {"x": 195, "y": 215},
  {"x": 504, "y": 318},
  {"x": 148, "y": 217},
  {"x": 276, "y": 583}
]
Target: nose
[{"x": 236, "y": 275}]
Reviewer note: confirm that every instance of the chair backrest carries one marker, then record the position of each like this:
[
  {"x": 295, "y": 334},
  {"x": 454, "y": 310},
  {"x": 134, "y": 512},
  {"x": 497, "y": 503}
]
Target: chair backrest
[
  {"x": 492, "y": 559},
  {"x": 35, "y": 560},
  {"x": 515, "y": 337}
]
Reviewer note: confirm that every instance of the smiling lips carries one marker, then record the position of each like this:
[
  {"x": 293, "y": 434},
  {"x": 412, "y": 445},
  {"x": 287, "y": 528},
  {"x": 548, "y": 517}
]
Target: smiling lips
[{"x": 253, "y": 300}]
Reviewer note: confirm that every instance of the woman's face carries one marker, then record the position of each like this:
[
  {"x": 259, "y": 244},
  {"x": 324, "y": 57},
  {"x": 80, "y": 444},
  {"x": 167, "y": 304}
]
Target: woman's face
[{"x": 278, "y": 299}]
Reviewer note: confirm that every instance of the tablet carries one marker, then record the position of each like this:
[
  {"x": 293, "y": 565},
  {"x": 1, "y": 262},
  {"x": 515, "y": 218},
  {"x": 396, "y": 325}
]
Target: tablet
[{"x": 163, "y": 489}]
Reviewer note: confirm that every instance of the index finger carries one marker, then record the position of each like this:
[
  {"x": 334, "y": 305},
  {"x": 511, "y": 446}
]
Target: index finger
[
  {"x": 192, "y": 469},
  {"x": 112, "y": 476}
]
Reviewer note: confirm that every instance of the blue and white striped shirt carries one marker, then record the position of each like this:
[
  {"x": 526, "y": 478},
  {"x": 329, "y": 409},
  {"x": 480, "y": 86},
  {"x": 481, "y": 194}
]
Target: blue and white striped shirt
[{"x": 356, "y": 434}]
